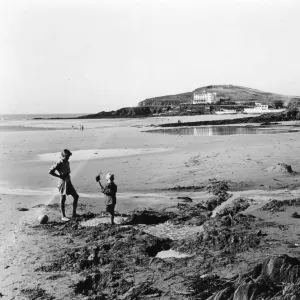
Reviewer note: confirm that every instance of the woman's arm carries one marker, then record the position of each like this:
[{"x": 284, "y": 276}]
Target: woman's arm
[{"x": 52, "y": 172}]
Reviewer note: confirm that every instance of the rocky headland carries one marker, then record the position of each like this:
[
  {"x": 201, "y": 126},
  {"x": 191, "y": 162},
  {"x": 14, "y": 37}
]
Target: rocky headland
[
  {"x": 238, "y": 96},
  {"x": 232, "y": 93}
]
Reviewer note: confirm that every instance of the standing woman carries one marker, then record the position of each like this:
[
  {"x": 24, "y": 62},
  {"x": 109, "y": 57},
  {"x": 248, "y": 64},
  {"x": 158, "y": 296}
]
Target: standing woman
[{"x": 62, "y": 171}]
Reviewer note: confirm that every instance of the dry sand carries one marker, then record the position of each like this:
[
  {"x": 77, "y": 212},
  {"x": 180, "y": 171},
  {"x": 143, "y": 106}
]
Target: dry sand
[{"x": 144, "y": 165}]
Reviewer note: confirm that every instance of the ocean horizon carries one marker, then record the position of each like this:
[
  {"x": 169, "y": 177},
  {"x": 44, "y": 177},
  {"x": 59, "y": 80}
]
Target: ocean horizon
[{"x": 18, "y": 117}]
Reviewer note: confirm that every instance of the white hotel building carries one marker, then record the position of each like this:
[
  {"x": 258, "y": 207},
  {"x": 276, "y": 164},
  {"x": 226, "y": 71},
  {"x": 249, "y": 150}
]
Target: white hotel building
[{"x": 204, "y": 98}]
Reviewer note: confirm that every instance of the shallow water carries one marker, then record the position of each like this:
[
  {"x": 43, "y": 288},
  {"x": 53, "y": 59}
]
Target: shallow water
[
  {"x": 171, "y": 253},
  {"x": 222, "y": 130}
]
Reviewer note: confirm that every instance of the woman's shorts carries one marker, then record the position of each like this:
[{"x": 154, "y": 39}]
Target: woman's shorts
[
  {"x": 66, "y": 188},
  {"x": 110, "y": 208}
]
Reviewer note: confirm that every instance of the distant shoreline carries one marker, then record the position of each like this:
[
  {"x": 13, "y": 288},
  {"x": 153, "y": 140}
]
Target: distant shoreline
[
  {"x": 95, "y": 118},
  {"x": 265, "y": 119}
]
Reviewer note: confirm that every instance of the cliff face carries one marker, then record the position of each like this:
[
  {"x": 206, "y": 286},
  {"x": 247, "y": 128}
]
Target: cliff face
[{"x": 228, "y": 92}]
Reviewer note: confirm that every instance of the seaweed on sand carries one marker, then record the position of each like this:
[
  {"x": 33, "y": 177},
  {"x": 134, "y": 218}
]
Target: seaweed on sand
[
  {"x": 276, "y": 278},
  {"x": 219, "y": 189},
  {"x": 278, "y": 205},
  {"x": 36, "y": 293}
]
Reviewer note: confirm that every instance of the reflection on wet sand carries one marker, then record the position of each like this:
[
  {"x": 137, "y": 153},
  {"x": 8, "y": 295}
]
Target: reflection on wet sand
[{"x": 222, "y": 130}]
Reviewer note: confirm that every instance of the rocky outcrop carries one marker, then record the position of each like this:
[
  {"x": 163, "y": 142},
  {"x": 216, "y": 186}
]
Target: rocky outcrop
[
  {"x": 276, "y": 278},
  {"x": 266, "y": 119},
  {"x": 129, "y": 112},
  {"x": 281, "y": 168},
  {"x": 279, "y": 205}
]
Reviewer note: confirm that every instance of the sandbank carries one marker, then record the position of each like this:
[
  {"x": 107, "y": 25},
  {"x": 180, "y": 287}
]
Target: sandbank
[{"x": 79, "y": 155}]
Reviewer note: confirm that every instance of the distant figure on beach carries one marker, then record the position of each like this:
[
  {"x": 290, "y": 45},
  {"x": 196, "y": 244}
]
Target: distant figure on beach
[
  {"x": 62, "y": 171},
  {"x": 110, "y": 191}
]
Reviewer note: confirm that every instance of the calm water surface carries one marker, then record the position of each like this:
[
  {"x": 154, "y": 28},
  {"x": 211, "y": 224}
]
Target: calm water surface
[{"x": 222, "y": 130}]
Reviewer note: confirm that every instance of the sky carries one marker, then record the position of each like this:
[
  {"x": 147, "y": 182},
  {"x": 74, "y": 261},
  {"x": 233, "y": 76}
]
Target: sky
[{"x": 86, "y": 56}]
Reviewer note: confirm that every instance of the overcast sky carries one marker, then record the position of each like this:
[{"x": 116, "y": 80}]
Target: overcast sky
[{"x": 72, "y": 56}]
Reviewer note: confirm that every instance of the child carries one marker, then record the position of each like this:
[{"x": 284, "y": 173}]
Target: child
[
  {"x": 62, "y": 171},
  {"x": 109, "y": 191}
]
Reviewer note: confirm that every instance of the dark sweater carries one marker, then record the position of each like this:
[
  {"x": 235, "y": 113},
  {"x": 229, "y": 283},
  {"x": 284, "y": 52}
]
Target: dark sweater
[{"x": 110, "y": 191}]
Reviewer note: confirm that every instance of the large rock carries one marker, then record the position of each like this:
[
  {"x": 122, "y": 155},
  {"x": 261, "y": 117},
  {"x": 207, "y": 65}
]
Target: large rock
[
  {"x": 277, "y": 278},
  {"x": 281, "y": 168}
]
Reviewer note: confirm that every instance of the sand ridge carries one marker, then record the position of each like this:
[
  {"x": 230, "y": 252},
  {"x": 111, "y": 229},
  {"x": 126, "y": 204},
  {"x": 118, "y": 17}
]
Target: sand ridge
[{"x": 79, "y": 155}]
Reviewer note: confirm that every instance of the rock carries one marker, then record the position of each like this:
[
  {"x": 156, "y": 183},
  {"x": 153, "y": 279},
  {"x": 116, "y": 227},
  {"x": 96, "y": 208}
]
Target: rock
[
  {"x": 277, "y": 278},
  {"x": 281, "y": 168},
  {"x": 222, "y": 295},
  {"x": 206, "y": 236},
  {"x": 215, "y": 201},
  {"x": 91, "y": 257},
  {"x": 295, "y": 215},
  {"x": 22, "y": 209},
  {"x": 226, "y": 220},
  {"x": 197, "y": 221},
  {"x": 280, "y": 269},
  {"x": 43, "y": 219},
  {"x": 238, "y": 205},
  {"x": 134, "y": 292},
  {"x": 278, "y": 205}
]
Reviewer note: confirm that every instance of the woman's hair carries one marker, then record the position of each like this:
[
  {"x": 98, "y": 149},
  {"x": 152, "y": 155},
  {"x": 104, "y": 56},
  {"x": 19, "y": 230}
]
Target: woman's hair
[{"x": 66, "y": 152}]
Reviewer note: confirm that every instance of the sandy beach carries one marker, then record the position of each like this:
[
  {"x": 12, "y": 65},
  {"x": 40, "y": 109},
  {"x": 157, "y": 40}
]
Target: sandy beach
[{"x": 147, "y": 166}]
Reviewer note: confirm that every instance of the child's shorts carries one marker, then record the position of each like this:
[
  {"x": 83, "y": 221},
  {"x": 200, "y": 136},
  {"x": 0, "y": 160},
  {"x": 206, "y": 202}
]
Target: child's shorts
[{"x": 110, "y": 208}]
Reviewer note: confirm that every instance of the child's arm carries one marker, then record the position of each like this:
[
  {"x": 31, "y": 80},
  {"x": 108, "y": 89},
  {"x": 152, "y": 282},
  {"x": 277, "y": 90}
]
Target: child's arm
[
  {"x": 98, "y": 180},
  {"x": 101, "y": 186}
]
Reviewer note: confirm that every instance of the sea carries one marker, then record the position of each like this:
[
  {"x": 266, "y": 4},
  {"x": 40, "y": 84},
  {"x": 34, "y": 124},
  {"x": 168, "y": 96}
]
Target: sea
[
  {"x": 20, "y": 117},
  {"x": 29, "y": 122}
]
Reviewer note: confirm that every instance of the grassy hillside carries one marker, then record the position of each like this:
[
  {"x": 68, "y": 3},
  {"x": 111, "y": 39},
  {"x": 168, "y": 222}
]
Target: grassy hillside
[
  {"x": 230, "y": 92},
  {"x": 167, "y": 100}
]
